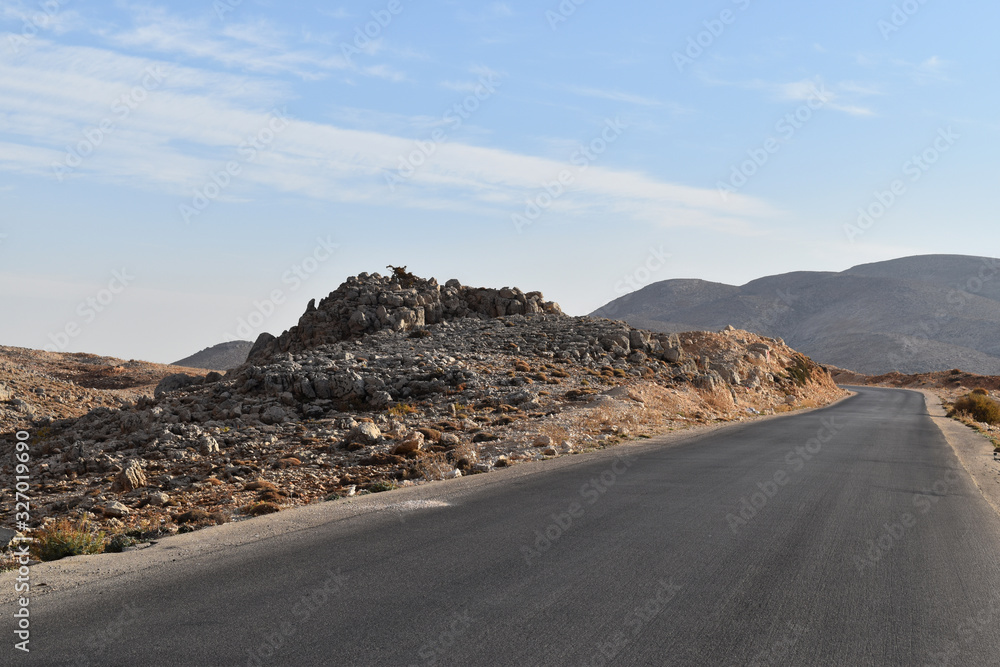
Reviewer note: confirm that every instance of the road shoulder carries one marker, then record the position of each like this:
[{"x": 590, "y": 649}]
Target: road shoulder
[{"x": 974, "y": 450}]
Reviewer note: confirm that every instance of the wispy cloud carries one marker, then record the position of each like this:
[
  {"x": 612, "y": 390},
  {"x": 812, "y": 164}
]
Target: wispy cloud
[
  {"x": 187, "y": 129},
  {"x": 614, "y": 95},
  {"x": 804, "y": 90}
]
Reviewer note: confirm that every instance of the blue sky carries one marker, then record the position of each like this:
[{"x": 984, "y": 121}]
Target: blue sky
[{"x": 172, "y": 176}]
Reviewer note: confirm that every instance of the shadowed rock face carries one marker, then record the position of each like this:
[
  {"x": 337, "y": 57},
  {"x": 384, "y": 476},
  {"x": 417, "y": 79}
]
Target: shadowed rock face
[
  {"x": 913, "y": 315},
  {"x": 369, "y": 303}
]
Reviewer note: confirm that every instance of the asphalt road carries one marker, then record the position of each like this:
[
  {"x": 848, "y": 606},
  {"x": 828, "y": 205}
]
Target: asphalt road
[{"x": 845, "y": 536}]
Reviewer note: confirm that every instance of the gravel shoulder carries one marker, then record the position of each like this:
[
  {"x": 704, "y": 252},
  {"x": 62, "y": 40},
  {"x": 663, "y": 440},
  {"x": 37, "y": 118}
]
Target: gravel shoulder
[{"x": 973, "y": 449}]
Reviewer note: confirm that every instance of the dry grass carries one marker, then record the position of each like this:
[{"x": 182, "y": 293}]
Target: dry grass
[
  {"x": 433, "y": 466},
  {"x": 979, "y": 406},
  {"x": 718, "y": 400},
  {"x": 64, "y": 538}
]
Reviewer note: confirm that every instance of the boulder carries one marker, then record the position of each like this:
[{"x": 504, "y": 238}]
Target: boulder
[
  {"x": 273, "y": 415},
  {"x": 131, "y": 477},
  {"x": 365, "y": 433},
  {"x": 413, "y": 442},
  {"x": 114, "y": 509}
]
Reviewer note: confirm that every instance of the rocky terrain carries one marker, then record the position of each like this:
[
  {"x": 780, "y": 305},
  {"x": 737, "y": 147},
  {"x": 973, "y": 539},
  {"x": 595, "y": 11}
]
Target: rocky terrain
[
  {"x": 911, "y": 315},
  {"x": 37, "y": 387},
  {"x": 221, "y": 357},
  {"x": 395, "y": 380}
]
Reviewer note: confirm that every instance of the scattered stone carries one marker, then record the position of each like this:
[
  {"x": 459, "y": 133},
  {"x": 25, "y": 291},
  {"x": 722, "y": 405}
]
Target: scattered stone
[
  {"x": 365, "y": 433},
  {"x": 115, "y": 509},
  {"x": 413, "y": 442},
  {"x": 131, "y": 477}
]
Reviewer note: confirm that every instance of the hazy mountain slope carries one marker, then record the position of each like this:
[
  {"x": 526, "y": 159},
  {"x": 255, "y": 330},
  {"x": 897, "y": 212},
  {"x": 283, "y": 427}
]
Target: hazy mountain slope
[
  {"x": 219, "y": 357},
  {"x": 914, "y": 314}
]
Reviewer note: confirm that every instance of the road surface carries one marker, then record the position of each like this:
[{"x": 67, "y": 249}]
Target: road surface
[{"x": 844, "y": 536}]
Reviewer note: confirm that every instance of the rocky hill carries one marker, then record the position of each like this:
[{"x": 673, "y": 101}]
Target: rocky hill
[
  {"x": 37, "y": 387},
  {"x": 913, "y": 315},
  {"x": 221, "y": 357},
  {"x": 394, "y": 381}
]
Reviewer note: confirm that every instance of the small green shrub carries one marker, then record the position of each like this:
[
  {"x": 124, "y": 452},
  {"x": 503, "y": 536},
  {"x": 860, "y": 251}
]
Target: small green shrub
[
  {"x": 379, "y": 487},
  {"x": 118, "y": 543},
  {"x": 65, "y": 538},
  {"x": 800, "y": 371},
  {"x": 980, "y": 407}
]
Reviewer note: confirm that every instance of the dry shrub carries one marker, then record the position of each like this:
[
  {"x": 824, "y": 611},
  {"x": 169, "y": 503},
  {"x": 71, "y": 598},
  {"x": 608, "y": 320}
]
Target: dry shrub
[
  {"x": 979, "y": 406},
  {"x": 559, "y": 434},
  {"x": 258, "y": 509},
  {"x": 433, "y": 466},
  {"x": 718, "y": 399},
  {"x": 64, "y": 538},
  {"x": 464, "y": 456}
]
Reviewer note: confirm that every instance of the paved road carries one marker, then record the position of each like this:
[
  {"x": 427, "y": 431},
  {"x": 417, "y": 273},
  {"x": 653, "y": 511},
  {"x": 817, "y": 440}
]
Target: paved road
[{"x": 846, "y": 536}]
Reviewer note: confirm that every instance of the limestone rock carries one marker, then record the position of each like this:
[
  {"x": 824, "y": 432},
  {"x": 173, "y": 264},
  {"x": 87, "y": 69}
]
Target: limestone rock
[
  {"x": 413, "y": 442},
  {"x": 114, "y": 509},
  {"x": 131, "y": 477},
  {"x": 365, "y": 433}
]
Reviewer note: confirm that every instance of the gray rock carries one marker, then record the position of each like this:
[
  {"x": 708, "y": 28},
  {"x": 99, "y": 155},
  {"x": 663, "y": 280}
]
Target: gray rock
[
  {"x": 209, "y": 445},
  {"x": 380, "y": 400},
  {"x": 114, "y": 509},
  {"x": 274, "y": 415},
  {"x": 131, "y": 477},
  {"x": 158, "y": 499},
  {"x": 6, "y": 537},
  {"x": 365, "y": 433}
]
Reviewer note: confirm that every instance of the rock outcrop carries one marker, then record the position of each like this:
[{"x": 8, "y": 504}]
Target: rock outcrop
[
  {"x": 394, "y": 381},
  {"x": 367, "y": 304}
]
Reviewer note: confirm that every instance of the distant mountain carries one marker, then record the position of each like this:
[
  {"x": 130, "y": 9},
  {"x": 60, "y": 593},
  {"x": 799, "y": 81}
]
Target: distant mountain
[
  {"x": 219, "y": 357},
  {"x": 913, "y": 315}
]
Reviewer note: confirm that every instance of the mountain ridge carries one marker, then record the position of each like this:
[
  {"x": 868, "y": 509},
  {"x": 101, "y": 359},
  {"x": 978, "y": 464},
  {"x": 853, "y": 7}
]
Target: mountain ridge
[{"x": 913, "y": 314}]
